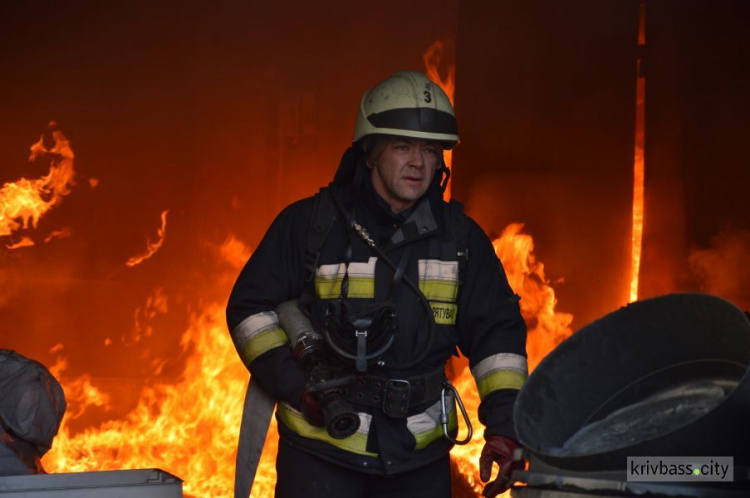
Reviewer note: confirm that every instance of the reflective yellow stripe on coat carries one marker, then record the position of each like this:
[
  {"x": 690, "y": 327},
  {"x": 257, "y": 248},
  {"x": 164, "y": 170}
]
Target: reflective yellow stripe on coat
[
  {"x": 328, "y": 279},
  {"x": 356, "y": 443},
  {"x": 438, "y": 281},
  {"x": 257, "y": 334},
  {"x": 500, "y": 371},
  {"x": 425, "y": 427}
]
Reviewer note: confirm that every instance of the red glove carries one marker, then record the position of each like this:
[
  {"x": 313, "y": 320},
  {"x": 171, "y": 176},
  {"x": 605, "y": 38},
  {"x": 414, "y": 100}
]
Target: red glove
[
  {"x": 498, "y": 449},
  {"x": 311, "y": 409}
]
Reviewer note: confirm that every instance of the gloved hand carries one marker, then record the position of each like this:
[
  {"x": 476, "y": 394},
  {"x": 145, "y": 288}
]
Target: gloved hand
[
  {"x": 498, "y": 449},
  {"x": 311, "y": 409}
]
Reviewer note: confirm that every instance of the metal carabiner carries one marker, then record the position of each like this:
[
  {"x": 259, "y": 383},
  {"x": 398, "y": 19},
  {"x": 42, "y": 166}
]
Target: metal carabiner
[{"x": 444, "y": 414}]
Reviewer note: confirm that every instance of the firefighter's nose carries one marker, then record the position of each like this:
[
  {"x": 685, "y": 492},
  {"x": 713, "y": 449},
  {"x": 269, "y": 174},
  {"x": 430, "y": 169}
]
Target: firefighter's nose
[{"x": 417, "y": 157}]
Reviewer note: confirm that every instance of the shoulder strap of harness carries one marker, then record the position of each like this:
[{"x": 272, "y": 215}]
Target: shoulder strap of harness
[
  {"x": 323, "y": 217},
  {"x": 455, "y": 220}
]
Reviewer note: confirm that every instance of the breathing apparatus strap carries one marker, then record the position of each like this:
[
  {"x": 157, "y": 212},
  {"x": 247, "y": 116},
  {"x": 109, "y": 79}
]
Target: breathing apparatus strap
[
  {"x": 323, "y": 217},
  {"x": 400, "y": 271},
  {"x": 455, "y": 219},
  {"x": 365, "y": 236}
]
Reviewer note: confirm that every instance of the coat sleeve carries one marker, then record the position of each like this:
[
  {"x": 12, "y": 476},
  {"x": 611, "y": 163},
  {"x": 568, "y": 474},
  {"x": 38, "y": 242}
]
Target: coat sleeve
[
  {"x": 274, "y": 274},
  {"x": 492, "y": 334}
]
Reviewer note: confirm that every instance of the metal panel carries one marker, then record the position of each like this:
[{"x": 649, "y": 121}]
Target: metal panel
[
  {"x": 697, "y": 62},
  {"x": 546, "y": 109},
  {"x": 138, "y": 483}
]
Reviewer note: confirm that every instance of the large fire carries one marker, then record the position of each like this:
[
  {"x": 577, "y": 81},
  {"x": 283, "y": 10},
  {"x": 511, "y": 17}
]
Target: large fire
[{"x": 190, "y": 427}]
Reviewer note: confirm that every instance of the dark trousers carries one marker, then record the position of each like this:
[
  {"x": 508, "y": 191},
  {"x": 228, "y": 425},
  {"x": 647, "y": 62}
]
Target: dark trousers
[{"x": 301, "y": 475}]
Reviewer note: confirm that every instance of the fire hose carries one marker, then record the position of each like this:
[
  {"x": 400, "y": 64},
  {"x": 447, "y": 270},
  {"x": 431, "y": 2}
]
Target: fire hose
[{"x": 259, "y": 405}]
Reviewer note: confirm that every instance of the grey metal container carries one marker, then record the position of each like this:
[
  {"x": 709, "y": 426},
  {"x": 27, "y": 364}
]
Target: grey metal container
[
  {"x": 665, "y": 376},
  {"x": 138, "y": 483}
]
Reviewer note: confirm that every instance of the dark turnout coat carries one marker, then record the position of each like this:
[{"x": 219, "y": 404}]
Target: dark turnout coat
[{"x": 481, "y": 317}]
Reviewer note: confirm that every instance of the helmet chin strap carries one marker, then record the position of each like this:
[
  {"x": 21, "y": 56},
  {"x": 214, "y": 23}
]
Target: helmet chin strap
[{"x": 446, "y": 176}]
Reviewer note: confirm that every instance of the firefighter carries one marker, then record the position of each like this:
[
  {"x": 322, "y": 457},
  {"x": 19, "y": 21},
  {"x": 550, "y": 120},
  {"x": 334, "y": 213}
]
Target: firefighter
[{"x": 394, "y": 281}]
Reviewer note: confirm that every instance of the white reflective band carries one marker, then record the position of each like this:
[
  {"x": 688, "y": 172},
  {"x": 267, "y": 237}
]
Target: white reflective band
[
  {"x": 334, "y": 271},
  {"x": 329, "y": 278},
  {"x": 254, "y": 325},
  {"x": 438, "y": 280},
  {"x": 430, "y": 418},
  {"x": 426, "y": 426},
  {"x": 501, "y": 361},
  {"x": 434, "y": 269}
]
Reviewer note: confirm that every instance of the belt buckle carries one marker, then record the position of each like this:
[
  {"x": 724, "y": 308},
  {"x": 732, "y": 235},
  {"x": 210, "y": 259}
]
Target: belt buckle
[{"x": 396, "y": 398}]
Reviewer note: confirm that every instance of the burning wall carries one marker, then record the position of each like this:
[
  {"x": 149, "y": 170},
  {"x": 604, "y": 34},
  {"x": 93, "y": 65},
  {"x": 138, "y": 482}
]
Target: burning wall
[
  {"x": 223, "y": 116},
  {"x": 697, "y": 108},
  {"x": 546, "y": 91}
]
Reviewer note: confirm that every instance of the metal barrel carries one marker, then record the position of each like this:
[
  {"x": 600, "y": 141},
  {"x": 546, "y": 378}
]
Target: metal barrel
[{"x": 666, "y": 376}]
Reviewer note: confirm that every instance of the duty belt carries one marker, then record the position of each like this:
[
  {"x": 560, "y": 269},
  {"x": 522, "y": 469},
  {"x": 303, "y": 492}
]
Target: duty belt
[{"x": 395, "y": 396}]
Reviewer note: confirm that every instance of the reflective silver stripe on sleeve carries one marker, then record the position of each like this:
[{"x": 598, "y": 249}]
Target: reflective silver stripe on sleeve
[
  {"x": 253, "y": 326},
  {"x": 498, "y": 372},
  {"x": 500, "y": 361}
]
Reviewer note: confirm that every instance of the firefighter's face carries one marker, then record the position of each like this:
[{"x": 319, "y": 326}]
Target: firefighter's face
[{"x": 404, "y": 169}]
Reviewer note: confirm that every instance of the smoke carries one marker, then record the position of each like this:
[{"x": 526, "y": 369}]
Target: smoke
[
  {"x": 723, "y": 269},
  {"x": 8, "y": 287}
]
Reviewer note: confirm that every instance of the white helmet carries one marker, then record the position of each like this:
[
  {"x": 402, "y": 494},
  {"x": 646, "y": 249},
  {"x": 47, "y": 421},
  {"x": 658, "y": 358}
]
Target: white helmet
[{"x": 407, "y": 104}]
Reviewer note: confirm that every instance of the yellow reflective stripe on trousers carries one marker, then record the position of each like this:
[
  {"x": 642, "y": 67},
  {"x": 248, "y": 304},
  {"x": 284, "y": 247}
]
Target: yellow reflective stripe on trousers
[
  {"x": 328, "y": 279},
  {"x": 356, "y": 443},
  {"x": 426, "y": 426}
]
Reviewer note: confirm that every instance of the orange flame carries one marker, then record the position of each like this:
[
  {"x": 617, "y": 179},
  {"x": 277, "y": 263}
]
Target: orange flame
[
  {"x": 24, "y": 242},
  {"x": 547, "y": 328},
  {"x": 443, "y": 73},
  {"x": 189, "y": 428},
  {"x": 156, "y": 304},
  {"x": 151, "y": 247},
  {"x": 58, "y": 234},
  {"x": 639, "y": 167},
  {"x": 24, "y": 202},
  {"x": 80, "y": 394}
]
